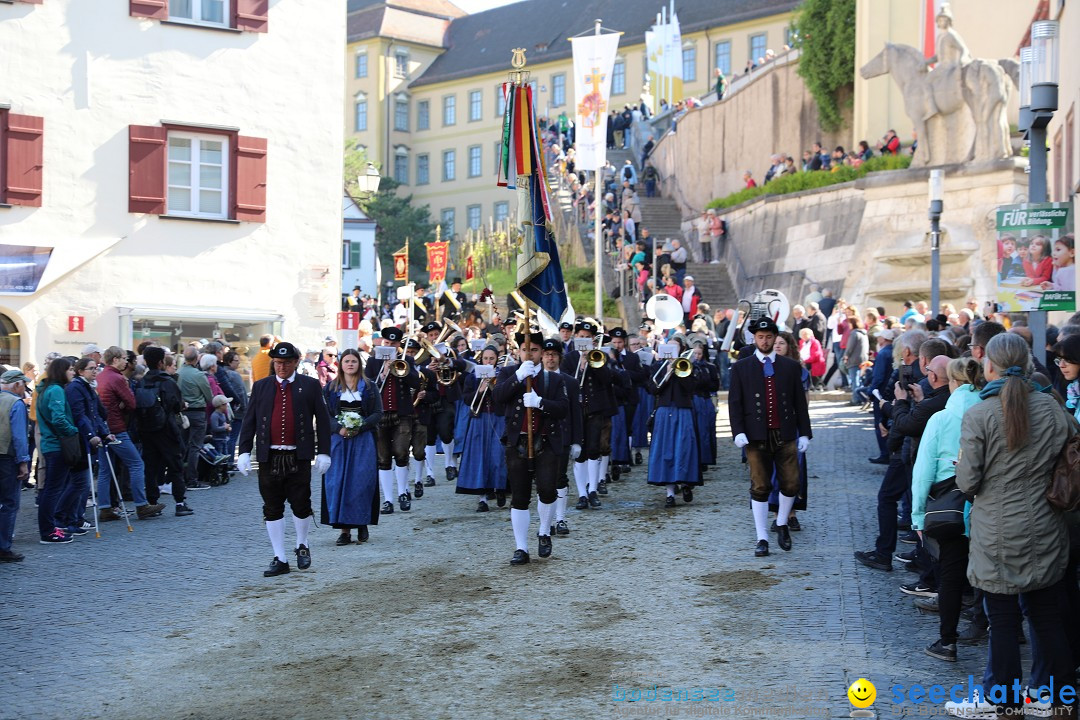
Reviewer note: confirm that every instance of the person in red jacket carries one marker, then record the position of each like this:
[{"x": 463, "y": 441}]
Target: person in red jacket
[
  {"x": 690, "y": 299},
  {"x": 812, "y": 356}
]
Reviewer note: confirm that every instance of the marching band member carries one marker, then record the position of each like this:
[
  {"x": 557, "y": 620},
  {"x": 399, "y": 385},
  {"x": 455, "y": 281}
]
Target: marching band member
[
  {"x": 483, "y": 459},
  {"x": 639, "y": 425},
  {"x": 549, "y": 405},
  {"x": 445, "y": 399},
  {"x": 704, "y": 409},
  {"x": 396, "y": 427},
  {"x": 598, "y": 406},
  {"x": 566, "y": 336},
  {"x": 770, "y": 418},
  {"x": 449, "y": 310},
  {"x": 673, "y": 455},
  {"x": 633, "y": 375},
  {"x": 573, "y": 449},
  {"x": 423, "y": 402}
]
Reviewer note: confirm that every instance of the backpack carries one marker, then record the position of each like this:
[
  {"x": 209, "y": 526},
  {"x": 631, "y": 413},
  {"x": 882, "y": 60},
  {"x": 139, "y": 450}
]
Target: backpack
[
  {"x": 1064, "y": 490},
  {"x": 149, "y": 410}
]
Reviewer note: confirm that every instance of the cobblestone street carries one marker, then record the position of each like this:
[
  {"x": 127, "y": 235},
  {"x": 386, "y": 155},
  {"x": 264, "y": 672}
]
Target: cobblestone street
[{"x": 428, "y": 619}]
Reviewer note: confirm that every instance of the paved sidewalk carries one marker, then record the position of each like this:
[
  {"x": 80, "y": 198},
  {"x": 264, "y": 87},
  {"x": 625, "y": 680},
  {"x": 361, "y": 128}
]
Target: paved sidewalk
[{"x": 429, "y": 620}]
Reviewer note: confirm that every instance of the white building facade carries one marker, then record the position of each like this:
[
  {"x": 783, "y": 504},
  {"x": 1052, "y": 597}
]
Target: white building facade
[
  {"x": 171, "y": 170},
  {"x": 359, "y": 260}
]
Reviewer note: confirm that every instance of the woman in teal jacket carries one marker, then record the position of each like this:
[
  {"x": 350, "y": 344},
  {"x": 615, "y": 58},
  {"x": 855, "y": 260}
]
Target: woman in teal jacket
[
  {"x": 936, "y": 461},
  {"x": 55, "y": 421}
]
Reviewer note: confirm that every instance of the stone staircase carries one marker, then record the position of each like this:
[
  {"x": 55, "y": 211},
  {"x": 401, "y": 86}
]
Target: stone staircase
[{"x": 714, "y": 284}]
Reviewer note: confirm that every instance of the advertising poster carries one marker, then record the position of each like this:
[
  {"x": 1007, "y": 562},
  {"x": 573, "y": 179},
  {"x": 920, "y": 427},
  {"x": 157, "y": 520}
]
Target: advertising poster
[
  {"x": 1036, "y": 257},
  {"x": 21, "y": 267}
]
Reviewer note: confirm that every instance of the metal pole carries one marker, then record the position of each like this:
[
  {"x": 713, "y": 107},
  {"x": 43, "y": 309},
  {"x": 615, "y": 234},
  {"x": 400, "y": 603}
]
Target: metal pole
[
  {"x": 598, "y": 235},
  {"x": 1037, "y": 194},
  {"x": 935, "y": 262}
]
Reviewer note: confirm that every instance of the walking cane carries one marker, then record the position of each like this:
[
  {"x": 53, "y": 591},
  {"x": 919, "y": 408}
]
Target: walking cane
[
  {"x": 93, "y": 493},
  {"x": 119, "y": 492}
]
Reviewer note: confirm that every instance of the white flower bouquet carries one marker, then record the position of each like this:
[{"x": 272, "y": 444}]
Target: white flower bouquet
[{"x": 351, "y": 421}]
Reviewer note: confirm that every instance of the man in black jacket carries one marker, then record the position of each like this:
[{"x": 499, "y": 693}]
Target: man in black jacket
[
  {"x": 397, "y": 426},
  {"x": 532, "y": 395},
  {"x": 163, "y": 447},
  {"x": 283, "y": 408},
  {"x": 769, "y": 417}
]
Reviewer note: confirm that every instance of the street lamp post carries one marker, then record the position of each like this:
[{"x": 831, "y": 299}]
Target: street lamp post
[
  {"x": 367, "y": 184},
  {"x": 1039, "y": 90},
  {"x": 937, "y": 204}
]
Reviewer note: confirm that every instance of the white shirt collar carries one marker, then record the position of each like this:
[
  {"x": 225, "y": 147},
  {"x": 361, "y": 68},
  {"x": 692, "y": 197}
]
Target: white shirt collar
[
  {"x": 761, "y": 358},
  {"x": 291, "y": 378}
]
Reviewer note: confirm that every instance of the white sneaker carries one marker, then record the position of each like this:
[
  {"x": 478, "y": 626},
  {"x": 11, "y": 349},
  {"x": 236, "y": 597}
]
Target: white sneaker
[
  {"x": 714, "y": 262},
  {"x": 1034, "y": 707},
  {"x": 975, "y": 710},
  {"x": 166, "y": 489}
]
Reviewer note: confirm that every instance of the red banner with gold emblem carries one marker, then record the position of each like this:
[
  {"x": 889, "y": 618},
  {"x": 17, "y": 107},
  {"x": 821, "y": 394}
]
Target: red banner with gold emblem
[
  {"x": 470, "y": 271},
  {"x": 401, "y": 265},
  {"x": 438, "y": 255}
]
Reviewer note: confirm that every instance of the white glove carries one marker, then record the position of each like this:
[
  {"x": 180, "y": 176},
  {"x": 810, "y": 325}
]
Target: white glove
[
  {"x": 243, "y": 464},
  {"x": 804, "y": 442},
  {"x": 575, "y": 451},
  {"x": 322, "y": 464},
  {"x": 531, "y": 399},
  {"x": 525, "y": 370},
  {"x": 741, "y": 441}
]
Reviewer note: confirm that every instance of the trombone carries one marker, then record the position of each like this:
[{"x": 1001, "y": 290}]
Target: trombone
[
  {"x": 399, "y": 367},
  {"x": 481, "y": 395},
  {"x": 681, "y": 367}
]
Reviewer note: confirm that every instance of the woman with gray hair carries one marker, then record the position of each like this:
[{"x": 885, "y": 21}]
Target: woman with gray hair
[{"x": 1019, "y": 549}]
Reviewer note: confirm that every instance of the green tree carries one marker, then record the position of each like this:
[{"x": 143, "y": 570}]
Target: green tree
[
  {"x": 400, "y": 223},
  {"x": 826, "y": 35}
]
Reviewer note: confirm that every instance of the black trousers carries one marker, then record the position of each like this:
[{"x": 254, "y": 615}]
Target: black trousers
[
  {"x": 442, "y": 424},
  {"x": 294, "y": 486},
  {"x": 896, "y": 482},
  {"x": 392, "y": 441},
  {"x": 520, "y": 471},
  {"x": 952, "y": 576},
  {"x": 164, "y": 452},
  {"x": 597, "y": 438},
  {"x": 563, "y": 482}
]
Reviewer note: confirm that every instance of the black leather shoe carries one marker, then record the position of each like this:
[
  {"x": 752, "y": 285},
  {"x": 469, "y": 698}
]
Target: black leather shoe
[
  {"x": 428, "y": 482},
  {"x": 793, "y": 524},
  {"x": 561, "y": 528},
  {"x": 601, "y": 488},
  {"x": 872, "y": 560},
  {"x": 670, "y": 501},
  {"x": 582, "y": 503},
  {"x": 762, "y": 548},
  {"x": 880, "y": 460},
  {"x": 404, "y": 502},
  {"x": 500, "y": 498},
  {"x": 545, "y": 545},
  {"x": 688, "y": 494},
  {"x": 362, "y": 534},
  {"x": 419, "y": 489},
  {"x": 972, "y": 635},
  {"x": 783, "y": 537},
  {"x": 637, "y": 458},
  {"x": 594, "y": 500},
  {"x": 520, "y": 558},
  {"x": 482, "y": 506},
  {"x": 344, "y": 539},
  {"x": 303, "y": 557},
  {"x": 451, "y": 474},
  {"x": 277, "y": 567},
  {"x": 387, "y": 508}
]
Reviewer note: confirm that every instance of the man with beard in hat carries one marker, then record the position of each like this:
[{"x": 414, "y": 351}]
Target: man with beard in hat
[
  {"x": 396, "y": 427},
  {"x": 283, "y": 408},
  {"x": 533, "y": 394},
  {"x": 770, "y": 418}
]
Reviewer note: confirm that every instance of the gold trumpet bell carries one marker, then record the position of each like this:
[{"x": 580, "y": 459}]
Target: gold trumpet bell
[
  {"x": 399, "y": 368},
  {"x": 683, "y": 368},
  {"x": 597, "y": 359}
]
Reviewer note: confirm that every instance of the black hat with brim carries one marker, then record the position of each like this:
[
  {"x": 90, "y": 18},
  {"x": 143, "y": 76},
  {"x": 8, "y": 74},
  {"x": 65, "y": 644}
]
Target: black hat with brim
[
  {"x": 284, "y": 351},
  {"x": 764, "y": 324},
  {"x": 392, "y": 334}
]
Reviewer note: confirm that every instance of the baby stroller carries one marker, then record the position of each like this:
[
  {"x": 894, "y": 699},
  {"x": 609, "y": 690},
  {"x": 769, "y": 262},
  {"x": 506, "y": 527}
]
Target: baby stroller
[{"x": 213, "y": 465}]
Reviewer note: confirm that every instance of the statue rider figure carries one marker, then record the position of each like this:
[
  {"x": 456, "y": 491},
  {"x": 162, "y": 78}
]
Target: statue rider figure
[{"x": 949, "y": 60}]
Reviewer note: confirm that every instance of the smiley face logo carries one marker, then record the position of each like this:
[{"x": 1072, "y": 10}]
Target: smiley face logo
[{"x": 862, "y": 693}]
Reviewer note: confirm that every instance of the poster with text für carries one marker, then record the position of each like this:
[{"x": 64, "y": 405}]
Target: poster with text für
[{"x": 1036, "y": 257}]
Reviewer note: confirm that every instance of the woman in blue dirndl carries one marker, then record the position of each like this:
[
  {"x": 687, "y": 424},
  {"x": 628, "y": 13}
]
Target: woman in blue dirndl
[
  {"x": 673, "y": 456},
  {"x": 704, "y": 409},
  {"x": 787, "y": 345},
  {"x": 350, "y": 496},
  {"x": 483, "y": 458}
]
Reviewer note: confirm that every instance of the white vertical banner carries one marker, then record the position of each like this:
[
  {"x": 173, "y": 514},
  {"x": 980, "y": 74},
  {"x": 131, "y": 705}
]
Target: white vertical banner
[
  {"x": 594, "y": 61},
  {"x": 652, "y": 52},
  {"x": 673, "y": 59}
]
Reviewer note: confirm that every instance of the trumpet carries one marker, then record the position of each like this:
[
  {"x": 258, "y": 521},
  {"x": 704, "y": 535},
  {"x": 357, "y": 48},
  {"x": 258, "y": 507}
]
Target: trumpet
[
  {"x": 680, "y": 367},
  {"x": 398, "y": 368},
  {"x": 481, "y": 395},
  {"x": 594, "y": 359}
]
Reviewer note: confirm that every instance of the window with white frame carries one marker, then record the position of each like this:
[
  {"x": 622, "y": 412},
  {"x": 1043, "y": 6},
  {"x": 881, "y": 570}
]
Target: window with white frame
[
  {"x": 558, "y": 90},
  {"x": 476, "y": 105},
  {"x": 446, "y": 220},
  {"x": 502, "y": 211},
  {"x": 204, "y": 12},
  {"x": 449, "y": 165},
  {"x": 401, "y": 113},
  {"x": 474, "y": 161},
  {"x": 723, "y": 57},
  {"x": 350, "y": 255},
  {"x": 423, "y": 169},
  {"x": 449, "y": 110},
  {"x": 360, "y": 113},
  {"x": 500, "y": 101},
  {"x": 757, "y": 47},
  {"x": 401, "y": 164},
  {"x": 361, "y": 65},
  {"x": 198, "y": 175},
  {"x": 689, "y": 64},
  {"x": 618, "y": 78},
  {"x": 423, "y": 115},
  {"x": 472, "y": 217},
  {"x": 401, "y": 63}
]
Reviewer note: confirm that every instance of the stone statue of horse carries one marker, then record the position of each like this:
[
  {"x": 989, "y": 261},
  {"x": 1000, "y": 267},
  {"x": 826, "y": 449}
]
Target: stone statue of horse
[{"x": 946, "y": 102}]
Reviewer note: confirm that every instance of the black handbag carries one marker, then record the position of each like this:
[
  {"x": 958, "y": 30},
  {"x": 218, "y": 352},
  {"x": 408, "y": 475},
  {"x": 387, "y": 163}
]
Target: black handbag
[
  {"x": 944, "y": 518},
  {"x": 71, "y": 451}
]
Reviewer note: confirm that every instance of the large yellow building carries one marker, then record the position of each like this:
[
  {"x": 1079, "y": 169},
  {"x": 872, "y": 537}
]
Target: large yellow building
[{"x": 422, "y": 90}]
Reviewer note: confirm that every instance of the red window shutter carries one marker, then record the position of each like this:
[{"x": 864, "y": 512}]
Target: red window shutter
[
  {"x": 147, "y": 154},
  {"x": 156, "y": 9},
  {"x": 252, "y": 15},
  {"x": 24, "y": 138},
  {"x": 250, "y": 179}
]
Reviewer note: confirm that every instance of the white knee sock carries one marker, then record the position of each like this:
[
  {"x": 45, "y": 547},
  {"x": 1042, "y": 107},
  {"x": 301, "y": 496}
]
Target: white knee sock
[
  {"x": 276, "y": 530},
  {"x": 545, "y": 510},
  {"x": 519, "y": 519},
  {"x": 401, "y": 474},
  {"x": 604, "y": 462},
  {"x": 301, "y": 525},
  {"x": 386, "y": 482},
  {"x": 761, "y": 518},
  {"x": 581, "y": 477},
  {"x": 670, "y": 489},
  {"x": 429, "y": 453},
  {"x": 419, "y": 470},
  {"x": 784, "y": 509},
  {"x": 594, "y": 474},
  {"x": 448, "y": 448},
  {"x": 560, "y": 504}
]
